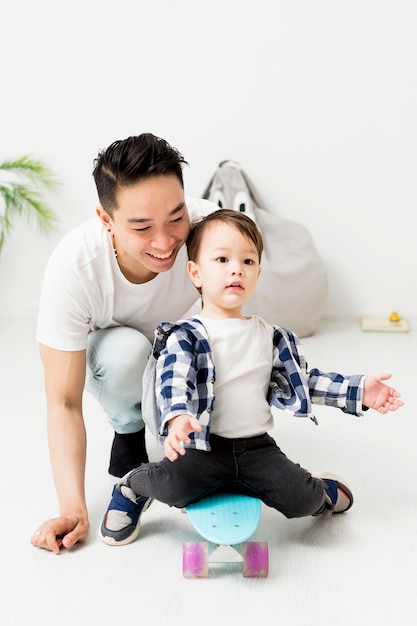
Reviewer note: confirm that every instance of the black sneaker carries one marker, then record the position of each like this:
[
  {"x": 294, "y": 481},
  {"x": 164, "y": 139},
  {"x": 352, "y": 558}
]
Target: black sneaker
[
  {"x": 339, "y": 497},
  {"x": 121, "y": 523}
]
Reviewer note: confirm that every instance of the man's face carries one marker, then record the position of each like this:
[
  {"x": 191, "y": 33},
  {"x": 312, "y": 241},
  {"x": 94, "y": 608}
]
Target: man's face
[{"x": 149, "y": 226}]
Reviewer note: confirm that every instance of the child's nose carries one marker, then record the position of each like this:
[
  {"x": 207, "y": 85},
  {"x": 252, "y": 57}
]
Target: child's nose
[{"x": 237, "y": 268}]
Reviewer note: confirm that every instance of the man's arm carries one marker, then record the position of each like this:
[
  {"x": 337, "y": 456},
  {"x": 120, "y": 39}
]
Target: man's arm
[{"x": 64, "y": 384}]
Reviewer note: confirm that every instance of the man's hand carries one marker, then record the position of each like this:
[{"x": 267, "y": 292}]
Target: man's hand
[
  {"x": 179, "y": 429},
  {"x": 64, "y": 531},
  {"x": 380, "y": 397}
]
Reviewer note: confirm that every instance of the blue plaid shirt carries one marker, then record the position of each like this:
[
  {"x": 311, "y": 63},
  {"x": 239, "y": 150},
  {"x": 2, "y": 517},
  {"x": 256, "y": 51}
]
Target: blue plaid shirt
[{"x": 180, "y": 379}]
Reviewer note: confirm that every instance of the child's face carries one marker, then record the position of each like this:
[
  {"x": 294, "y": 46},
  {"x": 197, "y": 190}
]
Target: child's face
[{"x": 227, "y": 270}]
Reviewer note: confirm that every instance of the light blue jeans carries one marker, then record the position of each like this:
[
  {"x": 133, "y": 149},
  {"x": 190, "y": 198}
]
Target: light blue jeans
[{"x": 116, "y": 360}]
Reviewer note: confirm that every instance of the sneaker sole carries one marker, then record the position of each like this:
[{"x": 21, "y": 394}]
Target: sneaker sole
[{"x": 111, "y": 541}]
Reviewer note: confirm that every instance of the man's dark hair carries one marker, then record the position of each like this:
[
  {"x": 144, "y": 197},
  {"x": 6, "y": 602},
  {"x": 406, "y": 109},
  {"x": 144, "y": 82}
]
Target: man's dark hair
[{"x": 127, "y": 161}]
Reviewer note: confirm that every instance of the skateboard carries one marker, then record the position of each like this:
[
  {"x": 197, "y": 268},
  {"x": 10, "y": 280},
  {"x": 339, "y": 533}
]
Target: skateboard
[{"x": 225, "y": 520}]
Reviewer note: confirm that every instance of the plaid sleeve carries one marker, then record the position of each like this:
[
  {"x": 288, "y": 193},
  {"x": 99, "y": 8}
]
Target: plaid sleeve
[
  {"x": 288, "y": 387},
  {"x": 175, "y": 376},
  {"x": 336, "y": 390}
]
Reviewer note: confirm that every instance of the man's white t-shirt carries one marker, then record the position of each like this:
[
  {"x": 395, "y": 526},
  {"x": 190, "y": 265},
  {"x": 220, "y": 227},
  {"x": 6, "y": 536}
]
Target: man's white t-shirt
[{"x": 84, "y": 289}]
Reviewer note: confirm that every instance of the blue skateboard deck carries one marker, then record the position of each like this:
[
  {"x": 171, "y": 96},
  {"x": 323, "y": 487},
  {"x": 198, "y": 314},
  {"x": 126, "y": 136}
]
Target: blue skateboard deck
[{"x": 225, "y": 520}]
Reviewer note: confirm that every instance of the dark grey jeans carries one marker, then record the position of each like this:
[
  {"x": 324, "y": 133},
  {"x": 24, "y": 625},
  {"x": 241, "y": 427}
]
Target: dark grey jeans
[{"x": 254, "y": 466}]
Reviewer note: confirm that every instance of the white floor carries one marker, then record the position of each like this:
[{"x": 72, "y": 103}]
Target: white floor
[{"x": 359, "y": 568}]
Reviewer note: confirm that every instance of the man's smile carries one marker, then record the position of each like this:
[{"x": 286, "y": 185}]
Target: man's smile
[{"x": 161, "y": 256}]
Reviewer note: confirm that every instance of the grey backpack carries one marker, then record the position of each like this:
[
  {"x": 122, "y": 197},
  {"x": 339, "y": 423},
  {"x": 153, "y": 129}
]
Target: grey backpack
[{"x": 292, "y": 288}]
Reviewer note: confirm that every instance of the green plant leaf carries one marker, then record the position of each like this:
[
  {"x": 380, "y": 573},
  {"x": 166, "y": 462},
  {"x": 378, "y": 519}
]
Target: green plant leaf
[
  {"x": 32, "y": 169},
  {"x": 19, "y": 194}
]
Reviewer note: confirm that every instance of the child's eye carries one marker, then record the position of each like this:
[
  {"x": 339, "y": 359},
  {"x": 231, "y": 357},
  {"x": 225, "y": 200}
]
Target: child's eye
[
  {"x": 249, "y": 261},
  {"x": 221, "y": 259}
]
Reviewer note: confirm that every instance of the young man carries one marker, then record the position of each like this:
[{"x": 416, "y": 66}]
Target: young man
[
  {"x": 107, "y": 285},
  {"x": 216, "y": 376}
]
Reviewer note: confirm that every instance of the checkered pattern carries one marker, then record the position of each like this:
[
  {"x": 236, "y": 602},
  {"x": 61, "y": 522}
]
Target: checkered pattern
[{"x": 182, "y": 372}]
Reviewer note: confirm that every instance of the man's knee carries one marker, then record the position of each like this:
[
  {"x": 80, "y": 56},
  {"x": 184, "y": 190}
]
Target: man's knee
[
  {"x": 118, "y": 354},
  {"x": 116, "y": 359}
]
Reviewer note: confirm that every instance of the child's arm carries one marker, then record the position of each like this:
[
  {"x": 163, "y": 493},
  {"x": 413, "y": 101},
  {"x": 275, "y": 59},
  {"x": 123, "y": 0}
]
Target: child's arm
[
  {"x": 380, "y": 397},
  {"x": 179, "y": 429},
  {"x": 175, "y": 379},
  {"x": 353, "y": 394}
]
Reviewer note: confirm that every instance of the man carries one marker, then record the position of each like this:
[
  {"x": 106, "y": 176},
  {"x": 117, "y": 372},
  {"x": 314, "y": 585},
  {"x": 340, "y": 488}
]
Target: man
[{"x": 107, "y": 285}]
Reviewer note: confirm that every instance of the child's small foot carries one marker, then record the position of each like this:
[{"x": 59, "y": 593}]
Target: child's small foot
[
  {"x": 339, "y": 497},
  {"x": 121, "y": 523}
]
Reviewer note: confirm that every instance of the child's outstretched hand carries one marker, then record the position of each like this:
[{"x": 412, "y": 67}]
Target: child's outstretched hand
[
  {"x": 179, "y": 429},
  {"x": 380, "y": 397}
]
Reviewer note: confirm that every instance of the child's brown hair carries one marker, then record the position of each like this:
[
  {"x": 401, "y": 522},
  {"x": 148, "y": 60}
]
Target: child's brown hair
[{"x": 240, "y": 221}]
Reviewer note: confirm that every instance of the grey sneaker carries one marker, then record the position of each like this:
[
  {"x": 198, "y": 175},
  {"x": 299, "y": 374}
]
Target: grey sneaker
[
  {"x": 339, "y": 497},
  {"x": 121, "y": 523}
]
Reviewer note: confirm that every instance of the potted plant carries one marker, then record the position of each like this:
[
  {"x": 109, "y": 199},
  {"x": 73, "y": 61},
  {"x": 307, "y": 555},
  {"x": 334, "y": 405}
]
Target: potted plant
[{"x": 20, "y": 180}]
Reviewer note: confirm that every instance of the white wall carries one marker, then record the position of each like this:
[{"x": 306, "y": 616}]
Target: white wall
[{"x": 316, "y": 99}]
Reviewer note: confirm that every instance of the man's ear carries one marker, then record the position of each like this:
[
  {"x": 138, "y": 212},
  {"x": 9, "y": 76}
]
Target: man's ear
[
  {"x": 104, "y": 217},
  {"x": 194, "y": 273}
]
